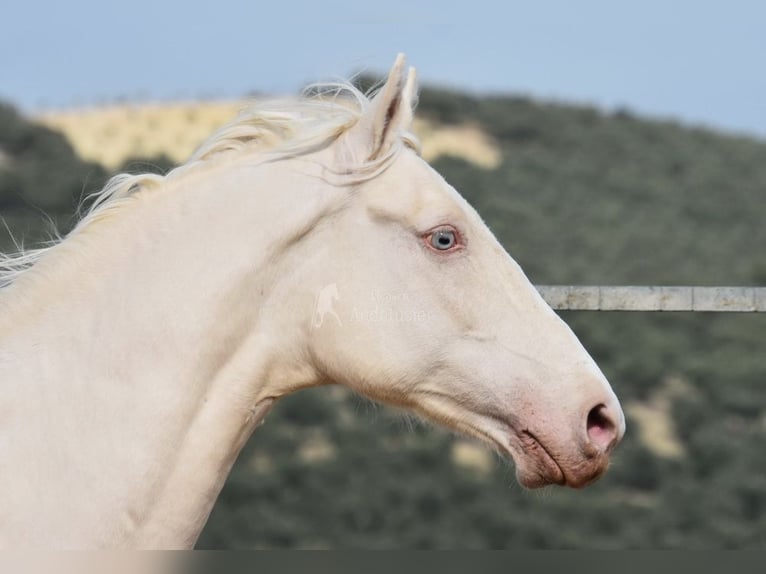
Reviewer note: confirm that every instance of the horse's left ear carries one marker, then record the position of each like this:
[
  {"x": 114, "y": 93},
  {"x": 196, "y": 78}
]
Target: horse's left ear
[{"x": 390, "y": 112}]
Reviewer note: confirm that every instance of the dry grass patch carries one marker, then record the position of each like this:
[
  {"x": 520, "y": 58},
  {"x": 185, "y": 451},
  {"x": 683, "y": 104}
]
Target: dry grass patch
[
  {"x": 654, "y": 417},
  {"x": 472, "y": 456},
  {"x": 112, "y": 134}
]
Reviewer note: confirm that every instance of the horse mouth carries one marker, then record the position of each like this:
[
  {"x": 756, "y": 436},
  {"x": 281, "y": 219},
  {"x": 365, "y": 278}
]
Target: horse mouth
[{"x": 535, "y": 465}]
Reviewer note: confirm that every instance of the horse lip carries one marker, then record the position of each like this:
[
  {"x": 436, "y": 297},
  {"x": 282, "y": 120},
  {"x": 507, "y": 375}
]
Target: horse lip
[
  {"x": 551, "y": 471},
  {"x": 517, "y": 442},
  {"x": 577, "y": 477}
]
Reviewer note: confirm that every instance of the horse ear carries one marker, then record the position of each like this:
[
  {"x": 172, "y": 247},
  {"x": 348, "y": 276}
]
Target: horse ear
[{"x": 390, "y": 112}]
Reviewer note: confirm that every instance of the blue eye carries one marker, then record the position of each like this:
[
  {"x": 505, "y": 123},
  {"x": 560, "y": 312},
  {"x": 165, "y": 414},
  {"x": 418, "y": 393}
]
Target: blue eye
[{"x": 443, "y": 239}]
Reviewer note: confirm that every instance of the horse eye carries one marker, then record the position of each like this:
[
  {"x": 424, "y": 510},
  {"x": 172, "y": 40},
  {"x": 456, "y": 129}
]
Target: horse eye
[{"x": 443, "y": 239}]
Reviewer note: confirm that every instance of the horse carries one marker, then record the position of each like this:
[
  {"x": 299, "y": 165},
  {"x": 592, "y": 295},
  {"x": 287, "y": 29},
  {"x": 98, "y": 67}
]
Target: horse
[{"x": 139, "y": 353}]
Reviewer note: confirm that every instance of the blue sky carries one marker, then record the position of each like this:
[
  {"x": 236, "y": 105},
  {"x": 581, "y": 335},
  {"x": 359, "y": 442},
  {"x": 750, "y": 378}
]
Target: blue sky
[{"x": 701, "y": 62}]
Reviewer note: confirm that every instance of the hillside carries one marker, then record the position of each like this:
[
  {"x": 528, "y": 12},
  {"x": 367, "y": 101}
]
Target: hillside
[
  {"x": 577, "y": 196},
  {"x": 113, "y": 135}
]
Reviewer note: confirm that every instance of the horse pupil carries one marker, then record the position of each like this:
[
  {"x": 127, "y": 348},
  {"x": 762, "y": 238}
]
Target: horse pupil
[{"x": 443, "y": 239}]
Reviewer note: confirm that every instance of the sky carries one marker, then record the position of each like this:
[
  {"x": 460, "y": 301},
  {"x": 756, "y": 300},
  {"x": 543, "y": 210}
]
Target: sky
[{"x": 700, "y": 62}]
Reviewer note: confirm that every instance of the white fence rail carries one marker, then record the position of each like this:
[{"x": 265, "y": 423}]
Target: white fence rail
[{"x": 654, "y": 298}]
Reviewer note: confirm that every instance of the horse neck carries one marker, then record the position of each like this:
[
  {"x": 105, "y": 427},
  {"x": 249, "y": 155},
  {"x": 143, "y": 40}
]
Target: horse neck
[{"x": 135, "y": 363}]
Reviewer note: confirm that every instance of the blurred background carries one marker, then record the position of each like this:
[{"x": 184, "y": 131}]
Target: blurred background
[{"x": 604, "y": 143}]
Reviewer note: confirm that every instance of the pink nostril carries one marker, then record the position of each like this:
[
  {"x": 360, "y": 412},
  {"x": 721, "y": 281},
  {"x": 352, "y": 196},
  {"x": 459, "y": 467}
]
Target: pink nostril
[{"x": 602, "y": 430}]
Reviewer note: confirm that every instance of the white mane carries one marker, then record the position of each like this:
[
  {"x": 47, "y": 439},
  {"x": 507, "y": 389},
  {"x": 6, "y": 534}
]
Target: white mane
[{"x": 274, "y": 129}]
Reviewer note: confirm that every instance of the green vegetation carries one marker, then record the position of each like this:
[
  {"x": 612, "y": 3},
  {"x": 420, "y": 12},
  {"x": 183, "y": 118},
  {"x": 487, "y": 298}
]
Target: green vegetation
[
  {"x": 41, "y": 179},
  {"x": 43, "y": 182},
  {"x": 581, "y": 197}
]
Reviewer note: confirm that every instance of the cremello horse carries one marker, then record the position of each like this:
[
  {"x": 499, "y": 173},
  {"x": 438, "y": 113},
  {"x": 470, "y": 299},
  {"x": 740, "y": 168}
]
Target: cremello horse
[{"x": 139, "y": 354}]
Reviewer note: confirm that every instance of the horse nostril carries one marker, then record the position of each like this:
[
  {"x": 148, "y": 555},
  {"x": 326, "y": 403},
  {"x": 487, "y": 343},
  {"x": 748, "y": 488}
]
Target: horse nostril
[{"x": 602, "y": 429}]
